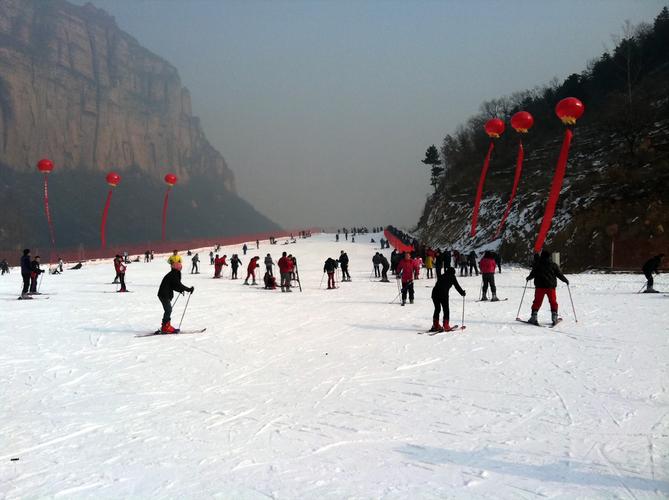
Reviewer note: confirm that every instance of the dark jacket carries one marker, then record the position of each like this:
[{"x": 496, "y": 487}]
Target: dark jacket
[
  {"x": 444, "y": 283},
  {"x": 330, "y": 265},
  {"x": 384, "y": 261},
  {"x": 651, "y": 265},
  {"x": 171, "y": 283},
  {"x": 34, "y": 267},
  {"x": 343, "y": 259},
  {"x": 545, "y": 272},
  {"x": 26, "y": 267}
]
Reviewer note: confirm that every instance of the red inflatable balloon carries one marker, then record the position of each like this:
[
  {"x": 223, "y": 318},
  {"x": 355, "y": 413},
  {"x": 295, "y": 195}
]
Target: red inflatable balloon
[
  {"x": 522, "y": 122},
  {"x": 113, "y": 179},
  {"x": 569, "y": 110},
  {"x": 45, "y": 165},
  {"x": 171, "y": 179},
  {"x": 494, "y": 128}
]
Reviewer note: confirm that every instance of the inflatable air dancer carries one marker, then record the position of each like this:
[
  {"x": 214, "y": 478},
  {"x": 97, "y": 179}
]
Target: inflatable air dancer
[
  {"x": 170, "y": 180},
  {"x": 171, "y": 283}
]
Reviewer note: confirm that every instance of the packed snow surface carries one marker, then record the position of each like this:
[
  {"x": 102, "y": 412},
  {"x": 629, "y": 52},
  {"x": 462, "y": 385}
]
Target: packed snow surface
[{"x": 330, "y": 393}]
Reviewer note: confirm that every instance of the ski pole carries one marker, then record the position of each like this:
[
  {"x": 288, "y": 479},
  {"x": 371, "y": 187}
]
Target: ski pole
[
  {"x": 184, "y": 313},
  {"x": 462, "y": 326},
  {"x": 572, "y": 304},
  {"x": 323, "y": 276},
  {"x": 481, "y": 291},
  {"x": 521, "y": 300},
  {"x": 175, "y": 300},
  {"x": 40, "y": 281},
  {"x": 644, "y": 286},
  {"x": 396, "y": 296}
]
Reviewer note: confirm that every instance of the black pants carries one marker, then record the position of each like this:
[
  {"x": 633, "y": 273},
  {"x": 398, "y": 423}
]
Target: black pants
[
  {"x": 33, "y": 282},
  {"x": 473, "y": 267},
  {"x": 649, "y": 277},
  {"x": 167, "y": 307},
  {"x": 194, "y": 269},
  {"x": 121, "y": 277},
  {"x": 429, "y": 272},
  {"x": 439, "y": 304},
  {"x": 26, "y": 282},
  {"x": 234, "y": 273},
  {"x": 344, "y": 272},
  {"x": 384, "y": 273},
  {"x": 489, "y": 279},
  {"x": 268, "y": 268},
  {"x": 407, "y": 287},
  {"x": 377, "y": 273},
  {"x": 463, "y": 269}
]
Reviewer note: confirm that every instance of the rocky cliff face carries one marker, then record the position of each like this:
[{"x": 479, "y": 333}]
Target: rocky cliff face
[{"x": 77, "y": 89}]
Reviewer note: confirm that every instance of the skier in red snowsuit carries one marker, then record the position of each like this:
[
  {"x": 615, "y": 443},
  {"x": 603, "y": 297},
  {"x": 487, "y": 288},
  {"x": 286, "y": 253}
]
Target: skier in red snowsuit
[
  {"x": 405, "y": 270},
  {"x": 219, "y": 262},
  {"x": 251, "y": 270}
]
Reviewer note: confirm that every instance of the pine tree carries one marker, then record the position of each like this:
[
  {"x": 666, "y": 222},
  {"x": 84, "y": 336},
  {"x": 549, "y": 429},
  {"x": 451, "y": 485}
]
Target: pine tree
[{"x": 432, "y": 158}]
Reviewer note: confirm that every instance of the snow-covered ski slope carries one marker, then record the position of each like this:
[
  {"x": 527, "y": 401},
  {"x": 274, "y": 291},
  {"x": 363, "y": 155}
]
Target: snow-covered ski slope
[{"x": 330, "y": 394}]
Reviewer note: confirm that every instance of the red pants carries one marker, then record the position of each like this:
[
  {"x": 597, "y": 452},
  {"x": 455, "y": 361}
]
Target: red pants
[
  {"x": 331, "y": 280},
  {"x": 539, "y": 298}
]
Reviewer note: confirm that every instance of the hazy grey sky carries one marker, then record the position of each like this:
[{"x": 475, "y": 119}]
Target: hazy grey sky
[{"x": 324, "y": 109}]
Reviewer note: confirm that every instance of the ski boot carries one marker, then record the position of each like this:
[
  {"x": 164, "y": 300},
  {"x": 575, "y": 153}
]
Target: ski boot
[
  {"x": 410, "y": 301},
  {"x": 484, "y": 298},
  {"x": 168, "y": 328},
  {"x": 436, "y": 327},
  {"x": 246, "y": 281},
  {"x": 554, "y": 317},
  {"x": 446, "y": 327},
  {"x": 650, "y": 289},
  {"x": 533, "y": 319},
  {"x": 494, "y": 297}
]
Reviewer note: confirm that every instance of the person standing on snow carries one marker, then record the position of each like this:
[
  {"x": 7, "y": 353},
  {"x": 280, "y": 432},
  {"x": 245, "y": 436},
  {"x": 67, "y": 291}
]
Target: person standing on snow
[
  {"x": 405, "y": 272},
  {"x": 651, "y": 266},
  {"x": 171, "y": 283},
  {"x": 119, "y": 266},
  {"x": 376, "y": 261},
  {"x": 175, "y": 257},
  {"x": 234, "y": 264},
  {"x": 545, "y": 273},
  {"x": 384, "y": 268},
  {"x": 285, "y": 269},
  {"x": 245, "y": 248},
  {"x": 195, "y": 259},
  {"x": 269, "y": 263},
  {"x": 488, "y": 265},
  {"x": 471, "y": 262},
  {"x": 329, "y": 267},
  {"x": 35, "y": 271},
  {"x": 219, "y": 262},
  {"x": 211, "y": 258},
  {"x": 25, "y": 272},
  {"x": 343, "y": 262},
  {"x": 440, "y": 298},
  {"x": 251, "y": 270}
]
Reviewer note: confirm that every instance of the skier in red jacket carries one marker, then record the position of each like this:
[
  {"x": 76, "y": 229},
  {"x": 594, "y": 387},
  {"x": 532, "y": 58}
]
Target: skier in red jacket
[
  {"x": 120, "y": 271},
  {"x": 488, "y": 266},
  {"x": 285, "y": 269},
  {"x": 405, "y": 271},
  {"x": 251, "y": 270},
  {"x": 219, "y": 262}
]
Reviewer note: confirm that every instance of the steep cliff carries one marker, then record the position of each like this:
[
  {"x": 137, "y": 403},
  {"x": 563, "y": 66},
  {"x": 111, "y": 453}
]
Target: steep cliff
[{"x": 78, "y": 90}]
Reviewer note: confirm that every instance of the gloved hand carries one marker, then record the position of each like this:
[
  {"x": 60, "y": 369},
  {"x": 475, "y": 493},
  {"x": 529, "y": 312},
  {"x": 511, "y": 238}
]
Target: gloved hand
[
  {"x": 192, "y": 289},
  {"x": 528, "y": 278},
  {"x": 464, "y": 292},
  {"x": 566, "y": 281}
]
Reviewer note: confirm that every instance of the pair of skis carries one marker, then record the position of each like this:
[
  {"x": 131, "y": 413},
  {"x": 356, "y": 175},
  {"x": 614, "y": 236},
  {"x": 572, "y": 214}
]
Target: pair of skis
[
  {"x": 451, "y": 329},
  {"x": 178, "y": 332},
  {"x": 545, "y": 326}
]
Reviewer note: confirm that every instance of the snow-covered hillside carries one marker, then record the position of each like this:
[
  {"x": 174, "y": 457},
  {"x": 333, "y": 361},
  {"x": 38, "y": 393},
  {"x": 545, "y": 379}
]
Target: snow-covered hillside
[{"x": 330, "y": 393}]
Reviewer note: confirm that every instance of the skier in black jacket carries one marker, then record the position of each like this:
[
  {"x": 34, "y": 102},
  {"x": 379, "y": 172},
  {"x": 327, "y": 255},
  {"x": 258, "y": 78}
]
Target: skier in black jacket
[
  {"x": 376, "y": 261},
  {"x": 343, "y": 261},
  {"x": 25, "y": 273},
  {"x": 171, "y": 283},
  {"x": 329, "y": 268},
  {"x": 651, "y": 266},
  {"x": 545, "y": 273},
  {"x": 440, "y": 298},
  {"x": 384, "y": 268},
  {"x": 35, "y": 271}
]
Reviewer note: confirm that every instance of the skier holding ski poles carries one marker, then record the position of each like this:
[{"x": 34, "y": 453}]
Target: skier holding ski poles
[
  {"x": 488, "y": 266},
  {"x": 651, "y": 266},
  {"x": 405, "y": 271},
  {"x": 171, "y": 283},
  {"x": 440, "y": 299},
  {"x": 545, "y": 273}
]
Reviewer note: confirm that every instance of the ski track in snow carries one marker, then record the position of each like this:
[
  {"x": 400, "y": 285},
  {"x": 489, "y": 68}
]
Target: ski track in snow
[{"x": 330, "y": 393}]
